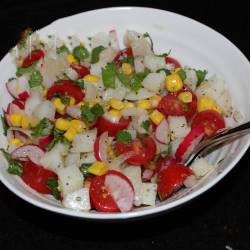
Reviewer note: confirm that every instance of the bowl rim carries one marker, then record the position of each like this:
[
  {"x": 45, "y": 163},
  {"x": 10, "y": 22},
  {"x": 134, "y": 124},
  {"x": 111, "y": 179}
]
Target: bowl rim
[{"x": 151, "y": 210}]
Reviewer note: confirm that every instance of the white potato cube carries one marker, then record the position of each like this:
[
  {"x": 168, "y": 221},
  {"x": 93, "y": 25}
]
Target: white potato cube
[
  {"x": 78, "y": 200},
  {"x": 84, "y": 142},
  {"x": 70, "y": 179},
  {"x": 72, "y": 159},
  {"x": 134, "y": 175},
  {"x": 201, "y": 167},
  {"x": 149, "y": 191},
  {"x": 154, "y": 81}
]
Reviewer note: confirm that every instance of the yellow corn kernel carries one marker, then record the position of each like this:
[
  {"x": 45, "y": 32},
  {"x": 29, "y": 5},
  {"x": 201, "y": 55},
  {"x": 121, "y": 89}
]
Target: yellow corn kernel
[
  {"x": 111, "y": 153},
  {"x": 16, "y": 119},
  {"x": 127, "y": 69},
  {"x": 79, "y": 104},
  {"x": 91, "y": 78},
  {"x": 16, "y": 141},
  {"x": 128, "y": 105},
  {"x": 156, "y": 117},
  {"x": 78, "y": 125},
  {"x": 62, "y": 124},
  {"x": 207, "y": 103},
  {"x": 20, "y": 62},
  {"x": 70, "y": 134},
  {"x": 58, "y": 105},
  {"x": 33, "y": 121},
  {"x": 98, "y": 168},
  {"x": 71, "y": 59},
  {"x": 185, "y": 97},
  {"x": 45, "y": 90},
  {"x": 115, "y": 113},
  {"x": 72, "y": 101},
  {"x": 25, "y": 123},
  {"x": 174, "y": 83},
  {"x": 155, "y": 100},
  {"x": 116, "y": 104},
  {"x": 176, "y": 70},
  {"x": 144, "y": 104}
]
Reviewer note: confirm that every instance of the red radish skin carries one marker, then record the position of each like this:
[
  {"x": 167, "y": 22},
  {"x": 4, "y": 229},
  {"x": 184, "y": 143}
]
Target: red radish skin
[
  {"x": 15, "y": 106},
  {"x": 147, "y": 175},
  {"x": 45, "y": 140},
  {"x": 30, "y": 152},
  {"x": 189, "y": 142},
  {"x": 101, "y": 147},
  {"x": 162, "y": 132}
]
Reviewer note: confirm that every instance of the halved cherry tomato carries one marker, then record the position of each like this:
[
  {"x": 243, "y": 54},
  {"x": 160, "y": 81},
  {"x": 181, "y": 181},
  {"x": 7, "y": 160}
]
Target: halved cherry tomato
[
  {"x": 171, "y": 105},
  {"x": 171, "y": 179},
  {"x": 100, "y": 196},
  {"x": 143, "y": 150},
  {"x": 43, "y": 141},
  {"x": 80, "y": 69},
  {"x": 127, "y": 52},
  {"x": 36, "y": 177},
  {"x": 210, "y": 120},
  {"x": 34, "y": 56},
  {"x": 172, "y": 60},
  {"x": 163, "y": 163},
  {"x": 66, "y": 88},
  {"x": 103, "y": 125}
]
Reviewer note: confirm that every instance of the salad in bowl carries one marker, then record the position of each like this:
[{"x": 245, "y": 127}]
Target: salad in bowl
[{"x": 106, "y": 127}]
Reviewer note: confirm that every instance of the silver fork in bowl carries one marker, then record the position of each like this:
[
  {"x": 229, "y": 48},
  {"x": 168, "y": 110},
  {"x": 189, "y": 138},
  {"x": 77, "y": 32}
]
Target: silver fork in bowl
[{"x": 223, "y": 137}]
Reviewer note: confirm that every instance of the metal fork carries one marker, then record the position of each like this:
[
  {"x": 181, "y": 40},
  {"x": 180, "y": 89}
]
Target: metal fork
[{"x": 223, "y": 137}]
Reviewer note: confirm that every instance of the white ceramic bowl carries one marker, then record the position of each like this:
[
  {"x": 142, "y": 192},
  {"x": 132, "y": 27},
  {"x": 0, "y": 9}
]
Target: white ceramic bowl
[{"x": 194, "y": 44}]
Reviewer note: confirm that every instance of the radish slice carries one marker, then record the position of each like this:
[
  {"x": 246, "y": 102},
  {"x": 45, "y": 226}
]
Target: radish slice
[
  {"x": 28, "y": 152},
  {"x": 21, "y": 132},
  {"x": 162, "y": 133},
  {"x": 15, "y": 106},
  {"x": 19, "y": 88},
  {"x": 189, "y": 142},
  {"x": 147, "y": 174},
  {"x": 45, "y": 140},
  {"x": 121, "y": 190},
  {"x": 101, "y": 147},
  {"x": 73, "y": 111},
  {"x": 118, "y": 161}
]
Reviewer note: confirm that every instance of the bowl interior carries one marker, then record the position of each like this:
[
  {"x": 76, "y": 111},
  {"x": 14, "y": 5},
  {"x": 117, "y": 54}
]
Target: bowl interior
[{"x": 193, "y": 43}]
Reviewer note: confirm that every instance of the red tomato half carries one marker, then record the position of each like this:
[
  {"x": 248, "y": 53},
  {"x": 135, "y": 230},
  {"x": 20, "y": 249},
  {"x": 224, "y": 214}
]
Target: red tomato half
[
  {"x": 171, "y": 179},
  {"x": 210, "y": 120},
  {"x": 80, "y": 69},
  {"x": 143, "y": 150},
  {"x": 103, "y": 125},
  {"x": 36, "y": 177},
  {"x": 34, "y": 56},
  {"x": 172, "y": 60},
  {"x": 127, "y": 52},
  {"x": 66, "y": 88},
  {"x": 163, "y": 163},
  {"x": 171, "y": 105}
]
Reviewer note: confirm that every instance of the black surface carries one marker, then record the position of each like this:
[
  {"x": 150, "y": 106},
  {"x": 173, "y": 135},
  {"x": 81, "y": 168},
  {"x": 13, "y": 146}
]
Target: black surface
[{"x": 218, "y": 219}]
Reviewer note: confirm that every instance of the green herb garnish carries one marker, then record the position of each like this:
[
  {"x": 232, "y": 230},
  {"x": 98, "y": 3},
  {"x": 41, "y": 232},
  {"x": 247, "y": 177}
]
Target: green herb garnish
[
  {"x": 167, "y": 71},
  {"x": 123, "y": 136},
  {"x": 90, "y": 114},
  {"x": 145, "y": 124},
  {"x": 44, "y": 127},
  {"x": 84, "y": 169},
  {"x": 168, "y": 150},
  {"x": 80, "y": 53},
  {"x": 136, "y": 81},
  {"x": 64, "y": 99},
  {"x": 14, "y": 166},
  {"x": 182, "y": 74},
  {"x": 79, "y": 83},
  {"x": 96, "y": 54},
  {"x": 125, "y": 80},
  {"x": 146, "y": 35},
  {"x": 129, "y": 59},
  {"x": 108, "y": 75},
  {"x": 62, "y": 49},
  {"x": 52, "y": 184},
  {"x": 58, "y": 137},
  {"x": 20, "y": 71},
  {"x": 200, "y": 74},
  {"x": 35, "y": 79}
]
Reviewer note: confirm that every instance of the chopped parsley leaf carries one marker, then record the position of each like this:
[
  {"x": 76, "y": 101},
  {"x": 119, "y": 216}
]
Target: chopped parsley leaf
[{"x": 123, "y": 136}]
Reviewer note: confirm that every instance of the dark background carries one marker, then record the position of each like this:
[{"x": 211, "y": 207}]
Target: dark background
[{"x": 219, "y": 219}]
